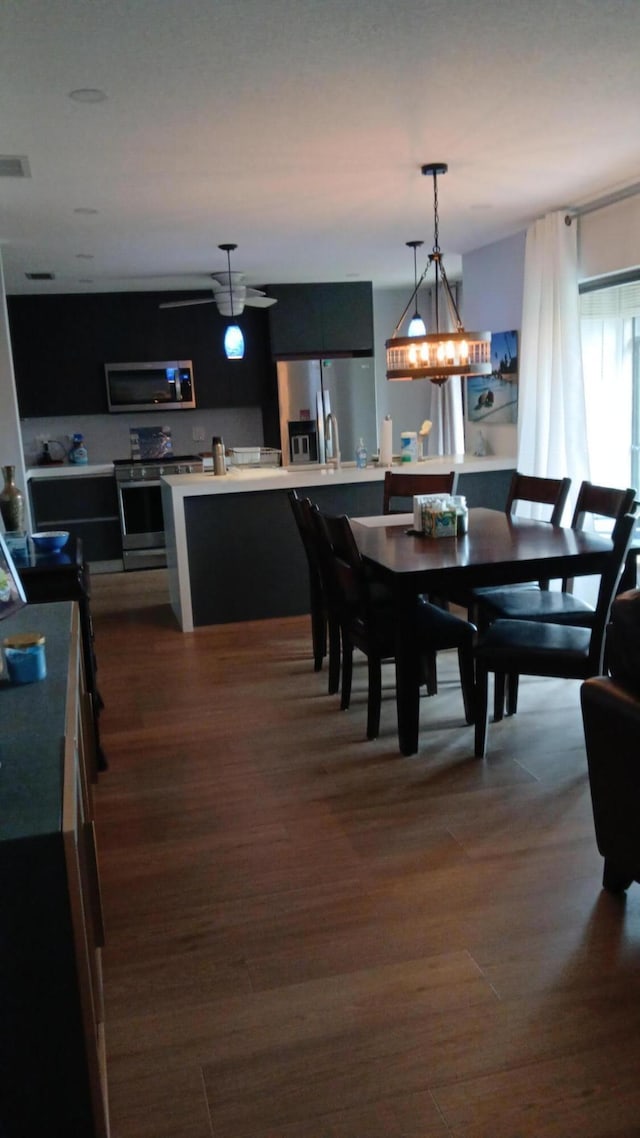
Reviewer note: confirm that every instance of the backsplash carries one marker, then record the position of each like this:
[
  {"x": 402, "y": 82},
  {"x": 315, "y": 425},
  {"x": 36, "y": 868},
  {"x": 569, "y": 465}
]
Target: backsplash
[{"x": 107, "y": 436}]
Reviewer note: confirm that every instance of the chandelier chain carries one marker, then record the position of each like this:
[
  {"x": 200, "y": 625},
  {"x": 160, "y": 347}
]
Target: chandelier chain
[{"x": 436, "y": 219}]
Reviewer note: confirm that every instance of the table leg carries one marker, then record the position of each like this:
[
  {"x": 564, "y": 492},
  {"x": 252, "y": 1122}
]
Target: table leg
[{"x": 407, "y": 675}]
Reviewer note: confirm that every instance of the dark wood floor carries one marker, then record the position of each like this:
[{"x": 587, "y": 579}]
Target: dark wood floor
[{"x": 311, "y": 937}]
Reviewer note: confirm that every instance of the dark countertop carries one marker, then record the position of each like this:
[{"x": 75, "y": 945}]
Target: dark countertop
[{"x": 32, "y": 725}]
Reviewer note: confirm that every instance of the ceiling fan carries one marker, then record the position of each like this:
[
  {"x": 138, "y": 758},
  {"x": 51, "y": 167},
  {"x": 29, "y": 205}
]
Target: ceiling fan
[{"x": 230, "y": 294}]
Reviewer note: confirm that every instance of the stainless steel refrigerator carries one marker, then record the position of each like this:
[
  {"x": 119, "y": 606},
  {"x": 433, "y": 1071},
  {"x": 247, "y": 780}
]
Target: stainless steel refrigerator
[{"x": 308, "y": 390}]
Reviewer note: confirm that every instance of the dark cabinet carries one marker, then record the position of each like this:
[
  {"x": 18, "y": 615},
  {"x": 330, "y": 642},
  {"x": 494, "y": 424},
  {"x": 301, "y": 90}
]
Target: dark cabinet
[
  {"x": 53, "y": 1073},
  {"x": 60, "y": 345},
  {"x": 321, "y": 320},
  {"x": 86, "y": 506}
]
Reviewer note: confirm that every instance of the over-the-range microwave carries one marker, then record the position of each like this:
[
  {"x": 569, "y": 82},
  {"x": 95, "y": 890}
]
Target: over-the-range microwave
[{"x": 166, "y": 385}]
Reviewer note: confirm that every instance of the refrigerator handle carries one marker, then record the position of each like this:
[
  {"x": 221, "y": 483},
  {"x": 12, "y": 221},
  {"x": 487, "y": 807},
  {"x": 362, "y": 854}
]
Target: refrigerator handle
[{"x": 320, "y": 415}]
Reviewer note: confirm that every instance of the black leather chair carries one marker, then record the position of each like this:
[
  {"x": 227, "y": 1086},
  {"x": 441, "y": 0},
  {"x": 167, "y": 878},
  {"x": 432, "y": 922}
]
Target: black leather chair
[
  {"x": 611, "y": 719},
  {"x": 367, "y": 622},
  {"x": 559, "y": 606},
  {"x": 324, "y": 627},
  {"x": 551, "y": 492},
  {"x": 535, "y": 648}
]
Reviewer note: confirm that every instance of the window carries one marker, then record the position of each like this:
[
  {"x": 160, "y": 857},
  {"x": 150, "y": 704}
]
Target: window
[{"x": 610, "y": 331}]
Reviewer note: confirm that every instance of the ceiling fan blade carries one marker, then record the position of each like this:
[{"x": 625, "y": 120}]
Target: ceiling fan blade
[
  {"x": 185, "y": 303},
  {"x": 260, "y": 301}
]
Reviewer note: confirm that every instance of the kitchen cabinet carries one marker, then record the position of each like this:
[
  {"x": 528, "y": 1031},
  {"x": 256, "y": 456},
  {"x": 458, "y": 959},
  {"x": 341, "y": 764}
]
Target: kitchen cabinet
[
  {"x": 61, "y": 343},
  {"x": 321, "y": 319},
  {"x": 53, "y": 1077},
  {"x": 86, "y": 506}
]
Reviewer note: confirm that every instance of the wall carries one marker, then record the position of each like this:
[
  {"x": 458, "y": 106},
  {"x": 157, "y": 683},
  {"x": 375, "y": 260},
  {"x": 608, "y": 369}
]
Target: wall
[
  {"x": 493, "y": 287},
  {"x": 107, "y": 436}
]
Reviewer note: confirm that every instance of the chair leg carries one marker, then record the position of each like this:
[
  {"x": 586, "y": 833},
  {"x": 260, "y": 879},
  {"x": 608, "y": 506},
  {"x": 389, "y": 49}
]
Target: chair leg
[
  {"x": 374, "y": 697},
  {"x": 512, "y": 693},
  {"x": 318, "y": 634},
  {"x": 430, "y": 673},
  {"x": 482, "y": 710},
  {"x": 467, "y": 680},
  {"x": 498, "y": 696},
  {"x": 347, "y": 672},
  {"x": 615, "y": 880},
  {"x": 334, "y": 655}
]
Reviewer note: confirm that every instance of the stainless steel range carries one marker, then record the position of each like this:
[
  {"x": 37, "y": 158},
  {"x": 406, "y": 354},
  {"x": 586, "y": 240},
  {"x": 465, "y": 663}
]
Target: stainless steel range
[{"x": 140, "y": 506}]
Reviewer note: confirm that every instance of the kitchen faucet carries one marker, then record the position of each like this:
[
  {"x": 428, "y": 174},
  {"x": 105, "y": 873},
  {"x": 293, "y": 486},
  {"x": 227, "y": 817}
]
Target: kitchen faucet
[{"x": 332, "y": 441}]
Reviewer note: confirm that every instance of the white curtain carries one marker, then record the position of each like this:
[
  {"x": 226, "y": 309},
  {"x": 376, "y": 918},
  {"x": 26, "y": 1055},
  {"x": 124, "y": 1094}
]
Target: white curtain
[
  {"x": 552, "y": 435},
  {"x": 443, "y": 401}
]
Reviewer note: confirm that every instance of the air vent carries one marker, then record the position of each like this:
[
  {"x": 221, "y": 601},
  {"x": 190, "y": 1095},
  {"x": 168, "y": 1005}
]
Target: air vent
[
  {"x": 14, "y": 166},
  {"x": 40, "y": 276}
]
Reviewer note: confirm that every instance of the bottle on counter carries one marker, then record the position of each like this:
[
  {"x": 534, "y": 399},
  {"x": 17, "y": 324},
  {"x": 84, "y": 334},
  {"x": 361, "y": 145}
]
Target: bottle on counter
[
  {"x": 12, "y": 506},
  {"x": 361, "y": 455},
  {"x": 217, "y": 450},
  {"x": 78, "y": 453}
]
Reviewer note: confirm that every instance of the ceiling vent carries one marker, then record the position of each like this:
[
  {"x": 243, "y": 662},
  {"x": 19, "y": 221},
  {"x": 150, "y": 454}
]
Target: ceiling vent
[
  {"x": 40, "y": 276},
  {"x": 14, "y": 166}
]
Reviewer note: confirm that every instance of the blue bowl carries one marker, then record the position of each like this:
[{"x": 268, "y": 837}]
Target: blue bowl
[{"x": 50, "y": 542}]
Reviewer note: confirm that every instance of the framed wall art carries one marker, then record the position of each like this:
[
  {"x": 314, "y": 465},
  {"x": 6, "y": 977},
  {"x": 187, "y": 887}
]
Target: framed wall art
[
  {"x": 12, "y": 595},
  {"x": 494, "y": 398}
]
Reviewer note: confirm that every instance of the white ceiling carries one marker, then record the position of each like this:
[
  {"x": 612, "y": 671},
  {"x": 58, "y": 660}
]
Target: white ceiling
[{"x": 297, "y": 129}]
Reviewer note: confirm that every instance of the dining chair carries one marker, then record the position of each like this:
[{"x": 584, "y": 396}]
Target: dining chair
[
  {"x": 536, "y": 648},
  {"x": 560, "y": 606},
  {"x": 367, "y": 622},
  {"x": 406, "y": 486},
  {"x": 324, "y": 626},
  {"x": 551, "y": 492}
]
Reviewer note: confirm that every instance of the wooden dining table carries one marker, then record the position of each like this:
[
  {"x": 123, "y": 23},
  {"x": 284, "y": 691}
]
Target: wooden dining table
[{"x": 496, "y": 550}]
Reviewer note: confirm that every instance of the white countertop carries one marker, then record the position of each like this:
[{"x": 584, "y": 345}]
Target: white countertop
[
  {"x": 241, "y": 481},
  {"x": 69, "y": 471}
]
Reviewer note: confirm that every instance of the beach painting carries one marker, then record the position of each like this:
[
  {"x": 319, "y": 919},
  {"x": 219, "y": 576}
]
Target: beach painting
[{"x": 494, "y": 398}]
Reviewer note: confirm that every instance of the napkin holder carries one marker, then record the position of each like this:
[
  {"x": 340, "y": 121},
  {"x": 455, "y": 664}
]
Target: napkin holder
[{"x": 434, "y": 517}]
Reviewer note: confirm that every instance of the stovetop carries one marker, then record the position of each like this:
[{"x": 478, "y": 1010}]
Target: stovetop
[{"x": 146, "y": 468}]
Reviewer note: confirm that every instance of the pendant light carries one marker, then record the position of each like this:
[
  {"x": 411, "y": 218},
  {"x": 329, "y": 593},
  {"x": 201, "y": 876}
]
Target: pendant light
[
  {"x": 439, "y": 354},
  {"x": 233, "y": 338},
  {"x": 416, "y": 324}
]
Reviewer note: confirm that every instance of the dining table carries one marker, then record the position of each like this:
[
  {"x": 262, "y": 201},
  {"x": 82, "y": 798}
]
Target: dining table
[{"x": 497, "y": 549}]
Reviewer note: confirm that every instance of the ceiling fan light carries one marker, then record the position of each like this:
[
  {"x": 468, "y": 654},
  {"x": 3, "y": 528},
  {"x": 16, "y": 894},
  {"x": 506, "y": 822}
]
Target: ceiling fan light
[{"x": 234, "y": 342}]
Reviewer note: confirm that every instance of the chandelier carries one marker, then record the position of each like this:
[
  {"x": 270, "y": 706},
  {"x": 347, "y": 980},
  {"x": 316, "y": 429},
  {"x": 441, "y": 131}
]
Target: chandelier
[{"x": 440, "y": 354}]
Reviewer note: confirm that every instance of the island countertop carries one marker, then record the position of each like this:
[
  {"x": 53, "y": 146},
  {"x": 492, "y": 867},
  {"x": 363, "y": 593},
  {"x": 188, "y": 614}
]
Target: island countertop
[
  {"x": 240, "y": 480},
  {"x": 233, "y": 550}
]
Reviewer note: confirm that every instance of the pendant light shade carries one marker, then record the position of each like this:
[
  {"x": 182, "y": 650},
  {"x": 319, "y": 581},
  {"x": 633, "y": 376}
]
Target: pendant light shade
[
  {"x": 233, "y": 338},
  {"x": 439, "y": 354},
  {"x": 234, "y": 342}
]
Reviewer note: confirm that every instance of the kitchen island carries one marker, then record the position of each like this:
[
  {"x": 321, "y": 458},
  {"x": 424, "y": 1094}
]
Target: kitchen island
[{"x": 233, "y": 549}]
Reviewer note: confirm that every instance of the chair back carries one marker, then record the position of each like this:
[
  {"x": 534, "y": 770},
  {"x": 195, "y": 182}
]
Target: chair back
[
  {"x": 542, "y": 491},
  {"x": 399, "y": 485},
  {"x": 301, "y": 508},
  {"x": 601, "y": 501},
  {"x": 343, "y": 564},
  {"x": 609, "y": 581}
]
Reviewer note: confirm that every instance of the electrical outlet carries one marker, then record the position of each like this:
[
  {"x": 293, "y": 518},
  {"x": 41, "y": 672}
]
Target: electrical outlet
[{"x": 197, "y": 434}]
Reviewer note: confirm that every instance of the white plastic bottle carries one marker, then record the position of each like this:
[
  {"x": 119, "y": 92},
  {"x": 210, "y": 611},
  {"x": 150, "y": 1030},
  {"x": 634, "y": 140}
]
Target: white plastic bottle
[{"x": 361, "y": 455}]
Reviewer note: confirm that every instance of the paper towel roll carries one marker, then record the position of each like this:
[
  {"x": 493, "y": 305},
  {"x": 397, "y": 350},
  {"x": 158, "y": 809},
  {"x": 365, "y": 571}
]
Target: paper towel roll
[{"x": 386, "y": 441}]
